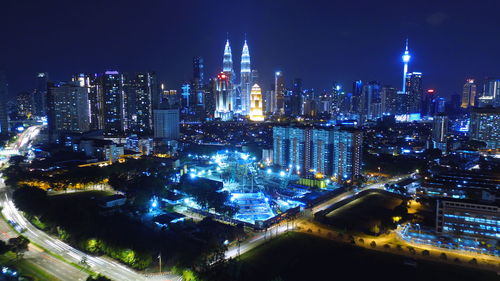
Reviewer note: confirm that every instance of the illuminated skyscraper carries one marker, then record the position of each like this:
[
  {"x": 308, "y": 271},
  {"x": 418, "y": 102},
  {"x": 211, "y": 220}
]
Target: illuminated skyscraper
[
  {"x": 485, "y": 126},
  {"x": 227, "y": 62},
  {"x": 406, "y": 59},
  {"x": 110, "y": 89},
  {"x": 371, "y": 103},
  {"x": 40, "y": 96},
  {"x": 256, "y": 112},
  {"x": 67, "y": 109},
  {"x": 491, "y": 93},
  {"x": 469, "y": 94},
  {"x": 246, "y": 80},
  {"x": 279, "y": 93},
  {"x": 414, "y": 92},
  {"x": 139, "y": 89},
  {"x": 440, "y": 131},
  {"x": 224, "y": 100},
  {"x": 347, "y": 153}
]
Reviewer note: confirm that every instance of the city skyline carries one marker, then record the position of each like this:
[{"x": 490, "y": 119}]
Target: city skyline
[{"x": 326, "y": 54}]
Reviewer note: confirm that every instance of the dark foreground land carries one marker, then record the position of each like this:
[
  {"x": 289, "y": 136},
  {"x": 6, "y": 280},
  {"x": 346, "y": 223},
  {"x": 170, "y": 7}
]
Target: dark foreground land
[
  {"x": 297, "y": 256},
  {"x": 362, "y": 214}
]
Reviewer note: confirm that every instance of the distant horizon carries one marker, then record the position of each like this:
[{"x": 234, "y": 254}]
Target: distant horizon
[{"x": 323, "y": 44}]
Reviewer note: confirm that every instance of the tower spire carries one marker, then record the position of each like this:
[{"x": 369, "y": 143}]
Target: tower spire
[
  {"x": 406, "y": 59},
  {"x": 245, "y": 58},
  {"x": 227, "y": 63}
]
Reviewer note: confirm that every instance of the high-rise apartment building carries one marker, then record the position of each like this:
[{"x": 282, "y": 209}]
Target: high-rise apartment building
[
  {"x": 166, "y": 123},
  {"x": 67, "y": 109},
  {"x": 139, "y": 89},
  {"x": 110, "y": 89},
  {"x": 347, "y": 154},
  {"x": 280, "y": 146},
  {"x": 329, "y": 152},
  {"x": 485, "y": 126}
]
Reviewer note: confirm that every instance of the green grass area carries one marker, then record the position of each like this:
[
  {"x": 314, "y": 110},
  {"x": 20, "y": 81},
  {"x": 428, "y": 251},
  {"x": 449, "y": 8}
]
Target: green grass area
[
  {"x": 298, "y": 256},
  {"x": 26, "y": 268},
  {"x": 363, "y": 213}
]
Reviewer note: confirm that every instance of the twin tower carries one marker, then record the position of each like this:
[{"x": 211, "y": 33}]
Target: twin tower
[{"x": 244, "y": 98}]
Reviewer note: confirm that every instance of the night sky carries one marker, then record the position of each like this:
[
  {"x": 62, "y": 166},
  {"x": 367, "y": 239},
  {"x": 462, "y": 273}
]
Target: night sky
[{"x": 319, "y": 41}]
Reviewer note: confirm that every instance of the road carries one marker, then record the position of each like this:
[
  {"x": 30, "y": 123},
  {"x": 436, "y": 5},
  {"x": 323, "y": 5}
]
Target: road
[
  {"x": 57, "y": 268},
  {"x": 62, "y": 270},
  {"x": 311, "y": 227},
  {"x": 279, "y": 229}
]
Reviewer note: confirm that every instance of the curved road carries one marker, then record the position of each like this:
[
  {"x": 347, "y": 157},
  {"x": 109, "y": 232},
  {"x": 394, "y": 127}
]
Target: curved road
[{"x": 58, "y": 268}]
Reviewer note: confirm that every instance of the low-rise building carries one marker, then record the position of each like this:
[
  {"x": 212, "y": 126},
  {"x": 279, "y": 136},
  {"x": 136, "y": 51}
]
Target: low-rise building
[{"x": 468, "y": 218}]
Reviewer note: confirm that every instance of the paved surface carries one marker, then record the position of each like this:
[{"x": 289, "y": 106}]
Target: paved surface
[{"x": 60, "y": 269}]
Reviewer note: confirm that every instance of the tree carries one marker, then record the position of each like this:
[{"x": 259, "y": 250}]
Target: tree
[
  {"x": 18, "y": 245},
  {"x": 4, "y": 248},
  {"x": 373, "y": 244},
  {"x": 98, "y": 278},
  {"x": 443, "y": 256},
  {"x": 425, "y": 253}
]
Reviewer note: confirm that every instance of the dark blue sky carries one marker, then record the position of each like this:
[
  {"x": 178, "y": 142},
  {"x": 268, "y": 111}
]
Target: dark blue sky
[{"x": 319, "y": 41}]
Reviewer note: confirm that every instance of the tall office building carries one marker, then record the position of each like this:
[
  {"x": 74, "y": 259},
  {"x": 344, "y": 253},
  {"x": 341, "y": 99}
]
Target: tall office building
[
  {"x": 198, "y": 71},
  {"x": 439, "y": 132},
  {"x": 429, "y": 103},
  {"x": 110, "y": 89},
  {"x": 256, "y": 110},
  {"x": 485, "y": 126},
  {"x": 227, "y": 62},
  {"x": 357, "y": 93},
  {"x": 198, "y": 89},
  {"x": 224, "y": 100},
  {"x": 25, "y": 104},
  {"x": 296, "y": 98},
  {"x": 491, "y": 93},
  {"x": 89, "y": 82},
  {"x": 246, "y": 80},
  {"x": 371, "y": 102},
  {"x": 166, "y": 123},
  {"x": 414, "y": 91},
  {"x": 279, "y": 93},
  {"x": 4, "y": 117},
  {"x": 388, "y": 98},
  {"x": 139, "y": 89},
  {"x": 406, "y": 60},
  {"x": 67, "y": 109},
  {"x": 40, "y": 95},
  {"x": 469, "y": 94}
]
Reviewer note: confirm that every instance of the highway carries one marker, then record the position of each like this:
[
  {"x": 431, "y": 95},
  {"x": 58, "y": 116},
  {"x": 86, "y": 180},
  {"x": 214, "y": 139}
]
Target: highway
[{"x": 58, "y": 268}]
